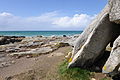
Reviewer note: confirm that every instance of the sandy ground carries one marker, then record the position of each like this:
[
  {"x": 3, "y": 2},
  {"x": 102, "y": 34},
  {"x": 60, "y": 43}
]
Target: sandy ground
[{"x": 43, "y": 67}]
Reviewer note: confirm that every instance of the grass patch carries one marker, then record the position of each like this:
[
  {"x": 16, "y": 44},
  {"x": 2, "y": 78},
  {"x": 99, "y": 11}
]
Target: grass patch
[
  {"x": 73, "y": 74},
  {"x": 105, "y": 79}
]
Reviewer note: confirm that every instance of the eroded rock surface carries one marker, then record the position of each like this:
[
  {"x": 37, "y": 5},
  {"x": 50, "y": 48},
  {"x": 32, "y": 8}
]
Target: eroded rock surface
[
  {"x": 10, "y": 39},
  {"x": 91, "y": 44},
  {"x": 30, "y": 47},
  {"x": 113, "y": 62},
  {"x": 84, "y": 36},
  {"x": 96, "y": 42},
  {"x": 114, "y": 11}
]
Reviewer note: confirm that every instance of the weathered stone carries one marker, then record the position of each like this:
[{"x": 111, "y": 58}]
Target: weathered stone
[
  {"x": 114, "y": 11},
  {"x": 10, "y": 39},
  {"x": 64, "y": 36},
  {"x": 40, "y": 36},
  {"x": 31, "y": 44},
  {"x": 12, "y": 62},
  {"x": 84, "y": 35},
  {"x": 68, "y": 55},
  {"x": 71, "y": 41},
  {"x": 2, "y": 39},
  {"x": 98, "y": 39},
  {"x": 12, "y": 50},
  {"x": 37, "y": 51},
  {"x": 2, "y": 50},
  {"x": 28, "y": 56},
  {"x": 113, "y": 62}
]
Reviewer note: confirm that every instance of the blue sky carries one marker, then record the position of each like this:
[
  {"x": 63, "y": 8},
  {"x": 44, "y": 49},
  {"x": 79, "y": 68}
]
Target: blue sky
[{"x": 48, "y": 14}]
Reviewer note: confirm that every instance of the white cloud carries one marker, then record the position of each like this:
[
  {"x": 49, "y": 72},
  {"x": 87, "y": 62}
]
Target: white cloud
[
  {"x": 78, "y": 20},
  {"x": 47, "y": 21}
]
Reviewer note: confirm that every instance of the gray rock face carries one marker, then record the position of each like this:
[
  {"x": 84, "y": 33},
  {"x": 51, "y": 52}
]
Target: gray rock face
[
  {"x": 37, "y": 51},
  {"x": 2, "y": 40},
  {"x": 84, "y": 36},
  {"x": 113, "y": 62},
  {"x": 89, "y": 48},
  {"x": 96, "y": 42},
  {"x": 114, "y": 11}
]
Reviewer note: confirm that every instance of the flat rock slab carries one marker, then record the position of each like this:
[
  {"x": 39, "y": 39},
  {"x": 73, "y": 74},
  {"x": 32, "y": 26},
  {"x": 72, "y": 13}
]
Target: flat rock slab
[{"x": 43, "y": 50}]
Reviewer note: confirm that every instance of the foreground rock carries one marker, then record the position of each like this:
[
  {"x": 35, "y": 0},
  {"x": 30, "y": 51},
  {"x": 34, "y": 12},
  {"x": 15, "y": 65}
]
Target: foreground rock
[
  {"x": 113, "y": 63},
  {"x": 10, "y": 39},
  {"x": 95, "y": 43},
  {"x": 89, "y": 49},
  {"x": 84, "y": 36}
]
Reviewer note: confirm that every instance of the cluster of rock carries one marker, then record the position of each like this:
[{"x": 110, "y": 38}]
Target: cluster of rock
[
  {"x": 91, "y": 44},
  {"x": 10, "y": 39},
  {"x": 15, "y": 47}
]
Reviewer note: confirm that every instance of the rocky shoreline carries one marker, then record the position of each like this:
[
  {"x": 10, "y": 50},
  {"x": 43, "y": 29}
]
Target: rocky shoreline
[{"x": 15, "y": 47}]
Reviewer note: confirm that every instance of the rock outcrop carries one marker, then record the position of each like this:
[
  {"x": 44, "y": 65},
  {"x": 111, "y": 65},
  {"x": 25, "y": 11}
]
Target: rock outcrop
[
  {"x": 96, "y": 43},
  {"x": 113, "y": 62},
  {"x": 84, "y": 35},
  {"x": 33, "y": 52},
  {"x": 10, "y": 39},
  {"x": 114, "y": 11},
  {"x": 30, "y": 47},
  {"x": 91, "y": 44}
]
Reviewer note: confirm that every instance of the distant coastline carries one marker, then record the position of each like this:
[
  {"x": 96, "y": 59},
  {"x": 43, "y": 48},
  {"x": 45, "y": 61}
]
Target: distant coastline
[{"x": 38, "y": 33}]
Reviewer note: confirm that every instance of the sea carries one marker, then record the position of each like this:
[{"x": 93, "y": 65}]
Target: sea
[{"x": 38, "y": 33}]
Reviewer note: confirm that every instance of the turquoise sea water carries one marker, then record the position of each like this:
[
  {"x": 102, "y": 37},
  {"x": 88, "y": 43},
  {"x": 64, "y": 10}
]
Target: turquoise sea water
[{"x": 37, "y": 33}]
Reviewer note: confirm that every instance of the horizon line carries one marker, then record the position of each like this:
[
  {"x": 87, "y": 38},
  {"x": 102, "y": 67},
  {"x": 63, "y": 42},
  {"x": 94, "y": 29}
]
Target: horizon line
[{"x": 41, "y": 30}]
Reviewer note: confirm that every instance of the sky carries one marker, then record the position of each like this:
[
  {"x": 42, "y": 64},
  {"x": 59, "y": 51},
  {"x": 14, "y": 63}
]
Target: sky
[{"x": 19, "y": 15}]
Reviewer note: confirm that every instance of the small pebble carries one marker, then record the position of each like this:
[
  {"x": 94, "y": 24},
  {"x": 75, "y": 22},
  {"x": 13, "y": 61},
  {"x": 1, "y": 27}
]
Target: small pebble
[
  {"x": 93, "y": 79},
  {"x": 13, "y": 62},
  {"x": 35, "y": 59},
  {"x": 28, "y": 56}
]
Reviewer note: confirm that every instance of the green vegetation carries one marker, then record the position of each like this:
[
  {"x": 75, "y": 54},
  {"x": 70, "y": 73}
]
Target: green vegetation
[
  {"x": 73, "y": 74},
  {"x": 105, "y": 79},
  {"x": 61, "y": 44}
]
